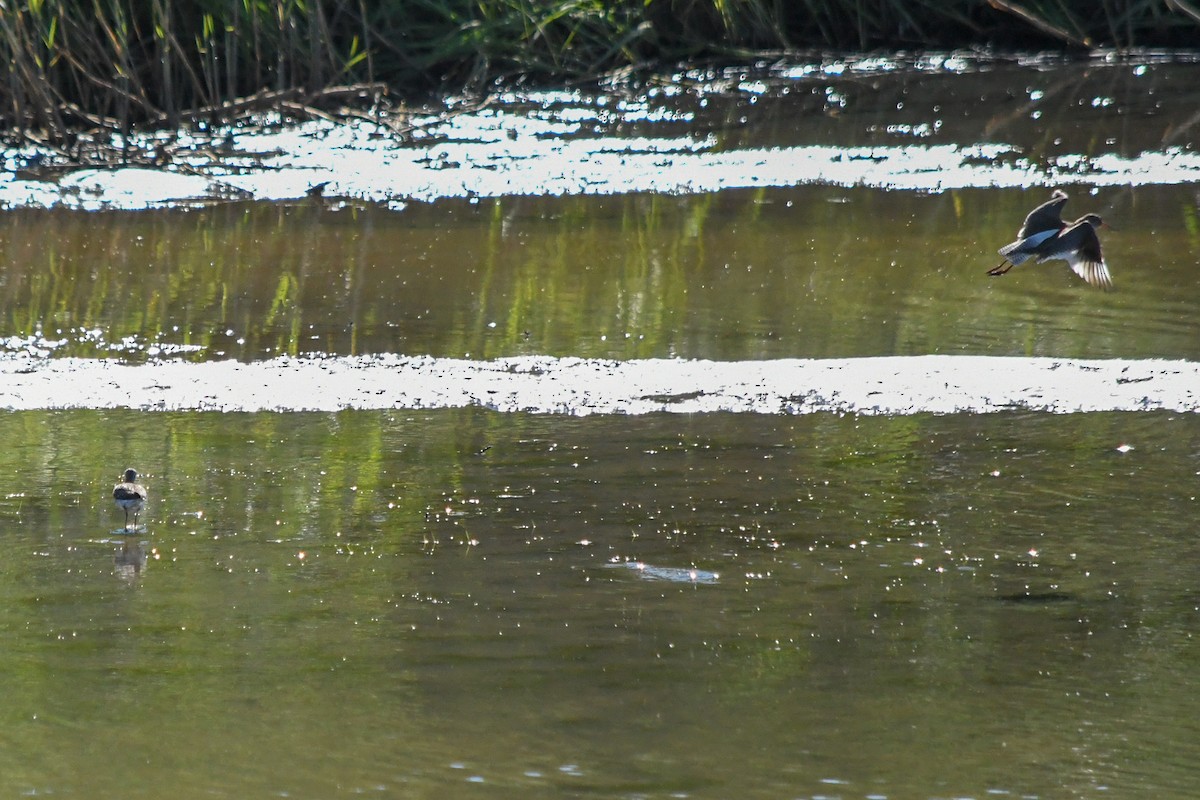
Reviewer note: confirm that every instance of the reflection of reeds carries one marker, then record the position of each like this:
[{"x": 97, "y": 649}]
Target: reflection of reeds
[
  {"x": 75, "y": 68},
  {"x": 747, "y": 274}
]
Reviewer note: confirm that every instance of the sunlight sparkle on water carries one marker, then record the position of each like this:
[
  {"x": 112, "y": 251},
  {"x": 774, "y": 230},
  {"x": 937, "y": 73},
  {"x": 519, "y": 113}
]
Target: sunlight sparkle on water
[{"x": 573, "y": 143}]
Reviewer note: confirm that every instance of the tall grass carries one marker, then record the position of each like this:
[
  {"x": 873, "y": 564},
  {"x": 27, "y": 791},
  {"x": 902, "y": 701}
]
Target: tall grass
[{"x": 72, "y": 66}]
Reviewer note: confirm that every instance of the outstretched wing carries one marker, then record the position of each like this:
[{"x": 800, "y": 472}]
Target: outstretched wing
[
  {"x": 1094, "y": 272},
  {"x": 1079, "y": 246},
  {"x": 1046, "y": 217}
]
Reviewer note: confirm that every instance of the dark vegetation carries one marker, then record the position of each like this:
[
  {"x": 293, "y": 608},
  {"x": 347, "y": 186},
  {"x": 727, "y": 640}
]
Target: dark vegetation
[{"x": 78, "y": 71}]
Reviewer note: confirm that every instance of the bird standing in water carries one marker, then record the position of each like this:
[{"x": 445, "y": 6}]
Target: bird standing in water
[
  {"x": 130, "y": 496},
  {"x": 1045, "y": 236}
]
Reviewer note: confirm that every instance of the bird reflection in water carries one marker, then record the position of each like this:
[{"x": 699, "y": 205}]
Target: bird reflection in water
[
  {"x": 130, "y": 559},
  {"x": 130, "y": 496}
]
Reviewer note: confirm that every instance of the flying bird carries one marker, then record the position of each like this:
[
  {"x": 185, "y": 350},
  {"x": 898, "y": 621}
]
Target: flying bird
[{"x": 1045, "y": 236}]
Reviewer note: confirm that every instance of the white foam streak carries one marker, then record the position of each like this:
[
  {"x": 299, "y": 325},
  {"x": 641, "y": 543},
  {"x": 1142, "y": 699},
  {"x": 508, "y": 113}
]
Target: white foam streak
[
  {"x": 573, "y": 386},
  {"x": 496, "y": 153}
]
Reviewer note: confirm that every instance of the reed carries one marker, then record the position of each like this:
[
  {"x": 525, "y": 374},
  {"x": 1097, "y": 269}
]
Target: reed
[{"x": 76, "y": 71}]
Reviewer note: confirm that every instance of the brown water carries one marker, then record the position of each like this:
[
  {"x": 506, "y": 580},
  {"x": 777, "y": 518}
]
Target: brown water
[{"x": 457, "y": 602}]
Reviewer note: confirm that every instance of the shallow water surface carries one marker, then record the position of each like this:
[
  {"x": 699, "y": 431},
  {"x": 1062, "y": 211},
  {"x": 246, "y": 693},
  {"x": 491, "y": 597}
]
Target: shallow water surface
[
  {"x": 927, "y": 123},
  {"x": 743, "y": 275},
  {"x": 400, "y": 600},
  {"x": 367, "y": 602}
]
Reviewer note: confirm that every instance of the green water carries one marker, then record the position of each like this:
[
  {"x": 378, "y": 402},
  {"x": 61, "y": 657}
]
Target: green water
[
  {"x": 407, "y": 605},
  {"x": 447, "y": 604},
  {"x": 740, "y": 275}
]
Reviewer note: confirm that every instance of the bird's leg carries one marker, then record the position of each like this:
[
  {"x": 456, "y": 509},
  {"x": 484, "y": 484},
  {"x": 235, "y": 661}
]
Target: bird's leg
[{"x": 1001, "y": 268}]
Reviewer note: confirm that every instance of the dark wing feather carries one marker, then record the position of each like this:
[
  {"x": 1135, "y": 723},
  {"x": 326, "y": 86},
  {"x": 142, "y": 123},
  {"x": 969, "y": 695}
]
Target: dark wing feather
[
  {"x": 1079, "y": 246},
  {"x": 129, "y": 491},
  {"x": 1046, "y": 217}
]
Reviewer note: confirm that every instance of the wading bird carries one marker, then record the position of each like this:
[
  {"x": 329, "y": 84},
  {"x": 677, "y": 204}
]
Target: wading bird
[
  {"x": 130, "y": 496},
  {"x": 1045, "y": 236}
]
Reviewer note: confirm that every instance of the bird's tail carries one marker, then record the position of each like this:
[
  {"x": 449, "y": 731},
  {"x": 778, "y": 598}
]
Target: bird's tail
[{"x": 1014, "y": 254}]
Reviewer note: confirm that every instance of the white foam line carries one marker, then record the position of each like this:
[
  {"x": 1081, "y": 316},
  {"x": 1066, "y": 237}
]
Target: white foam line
[
  {"x": 574, "y": 386},
  {"x": 475, "y": 157},
  {"x": 605, "y": 168}
]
